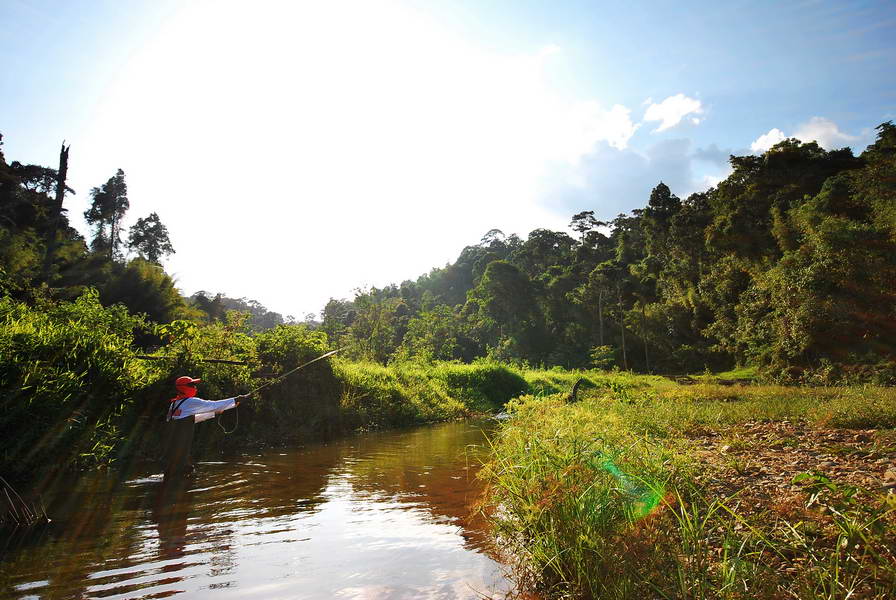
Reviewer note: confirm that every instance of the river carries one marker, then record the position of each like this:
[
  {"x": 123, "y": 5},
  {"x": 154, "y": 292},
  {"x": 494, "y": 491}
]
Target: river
[{"x": 375, "y": 516}]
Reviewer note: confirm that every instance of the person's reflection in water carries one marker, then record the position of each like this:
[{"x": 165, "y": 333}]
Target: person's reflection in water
[{"x": 170, "y": 509}]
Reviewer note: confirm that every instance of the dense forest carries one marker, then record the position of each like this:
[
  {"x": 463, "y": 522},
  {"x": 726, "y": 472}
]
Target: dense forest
[{"x": 789, "y": 264}]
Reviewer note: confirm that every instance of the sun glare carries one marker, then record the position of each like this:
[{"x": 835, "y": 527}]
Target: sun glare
[{"x": 293, "y": 128}]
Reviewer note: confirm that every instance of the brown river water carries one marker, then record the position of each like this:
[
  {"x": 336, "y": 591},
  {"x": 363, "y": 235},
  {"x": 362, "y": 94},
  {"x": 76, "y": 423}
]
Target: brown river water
[{"x": 375, "y": 516}]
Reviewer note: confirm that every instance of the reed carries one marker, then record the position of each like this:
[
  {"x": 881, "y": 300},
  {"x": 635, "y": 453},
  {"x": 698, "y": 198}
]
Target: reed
[{"x": 16, "y": 512}]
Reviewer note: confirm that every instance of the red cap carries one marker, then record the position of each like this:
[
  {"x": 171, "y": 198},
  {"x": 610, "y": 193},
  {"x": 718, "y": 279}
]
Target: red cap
[{"x": 186, "y": 381}]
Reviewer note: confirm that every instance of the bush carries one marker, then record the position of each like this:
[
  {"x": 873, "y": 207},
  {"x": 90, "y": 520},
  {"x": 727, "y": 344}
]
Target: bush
[
  {"x": 67, "y": 375},
  {"x": 304, "y": 403},
  {"x": 482, "y": 386}
]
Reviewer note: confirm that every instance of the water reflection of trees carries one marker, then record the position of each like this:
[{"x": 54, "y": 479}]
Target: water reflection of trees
[
  {"x": 434, "y": 467},
  {"x": 108, "y": 532}
]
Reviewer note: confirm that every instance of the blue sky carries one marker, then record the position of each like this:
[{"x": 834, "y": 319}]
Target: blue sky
[{"x": 299, "y": 150}]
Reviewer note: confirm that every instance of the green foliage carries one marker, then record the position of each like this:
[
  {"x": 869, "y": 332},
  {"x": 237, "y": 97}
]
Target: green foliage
[
  {"x": 379, "y": 325},
  {"x": 109, "y": 203},
  {"x": 376, "y": 396},
  {"x": 437, "y": 334},
  {"x": 483, "y": 386},
  {"x": 187, "y": 344},
  {"x": 144, "y": 288},
  {"x": 28, "y": 223},
  {"x": 602, "y": 357},
  {"x": 573, "y": 488},
  {"x": 149, "y": 237},
  {"x": 67, "y": 374},
  {"x": 301, "y": 404}
]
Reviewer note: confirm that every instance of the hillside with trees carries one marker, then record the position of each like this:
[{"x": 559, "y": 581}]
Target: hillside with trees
[{"x": 789, "y": 264}]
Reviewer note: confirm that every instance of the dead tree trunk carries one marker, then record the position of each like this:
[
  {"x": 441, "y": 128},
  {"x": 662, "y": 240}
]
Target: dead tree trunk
[{"x": 56, "y": 212}]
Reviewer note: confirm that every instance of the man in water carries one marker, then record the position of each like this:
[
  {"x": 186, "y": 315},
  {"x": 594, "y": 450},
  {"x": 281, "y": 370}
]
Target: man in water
[{"x": 184, "y": 410}]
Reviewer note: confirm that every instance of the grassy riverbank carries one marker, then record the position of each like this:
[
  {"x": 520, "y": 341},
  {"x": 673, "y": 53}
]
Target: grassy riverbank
[
  {"x": 647, "y": 490},
  {"x": 77, "y": 390}
]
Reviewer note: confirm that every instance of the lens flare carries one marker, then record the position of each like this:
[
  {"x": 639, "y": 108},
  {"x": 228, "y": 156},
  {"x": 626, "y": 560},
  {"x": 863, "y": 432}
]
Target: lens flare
[{"x": 644, "y": 497}]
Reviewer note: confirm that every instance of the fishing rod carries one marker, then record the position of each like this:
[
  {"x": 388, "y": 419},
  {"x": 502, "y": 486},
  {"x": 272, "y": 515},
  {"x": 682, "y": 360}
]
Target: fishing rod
[
  {"x": 272, "y": 382},
  {"x": 288, "y": 373}
]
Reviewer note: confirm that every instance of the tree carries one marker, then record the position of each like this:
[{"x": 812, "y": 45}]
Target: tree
[
  {"x": 213, "y": 307},
  {"x": 875, "y": 185},
  {"x": 30, "y": 222},
  {"x": 661, "y": 208},
  {"x": 437, "y": 334},
  {"x": 508, "y": 313},
  {"x": 336, "y": 317},
  {"x": 108, "y": 207},
  {"x": 543, "y": 249},
  {"x": 584, "y": 222},
  {"x": 144, "y": 287},
  {"x": 149, "y": 237},
  {"x": 379, "y": 325}
]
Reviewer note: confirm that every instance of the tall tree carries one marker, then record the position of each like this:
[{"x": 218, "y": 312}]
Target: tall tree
[
  {"x": 149, "y": 237},
  {"x": 108, "y": 207},
  {"x": 584, "y": 222}
]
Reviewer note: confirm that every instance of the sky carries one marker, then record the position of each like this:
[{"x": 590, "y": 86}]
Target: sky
[{"x": 297, "y": 151}]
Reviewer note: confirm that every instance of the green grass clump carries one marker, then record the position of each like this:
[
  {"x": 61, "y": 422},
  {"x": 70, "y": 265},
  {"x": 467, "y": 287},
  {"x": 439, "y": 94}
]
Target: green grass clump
[
  {"x": 556, "y": 381},
  {"x": 602, "y": 499},
  {"x": 573, "y": 486},
  {"x": 377, "y": 396},
  {"x": 677, "y": 409},
  {"x": 482, "y": 386}
]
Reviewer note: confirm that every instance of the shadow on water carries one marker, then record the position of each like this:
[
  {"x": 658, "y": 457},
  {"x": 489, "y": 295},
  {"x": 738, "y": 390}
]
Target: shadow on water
[{"x": 381, "y": 515}]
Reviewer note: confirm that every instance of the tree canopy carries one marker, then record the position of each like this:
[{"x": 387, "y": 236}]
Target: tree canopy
[{"x": 788, "y": 264}]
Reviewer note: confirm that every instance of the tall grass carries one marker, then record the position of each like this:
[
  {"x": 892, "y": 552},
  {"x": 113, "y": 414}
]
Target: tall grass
[
  {"x": 66, "y": 379},
  {"x": 376, "y": 396},
  {"x": 557, "y": 380},
  {"x": 600, "y": 499}
]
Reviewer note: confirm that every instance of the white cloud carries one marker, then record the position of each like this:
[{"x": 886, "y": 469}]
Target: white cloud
[
  {"x": 817, "y": 129},
  {"x": 385, "y": 117},
  {"x": 550, "y": 50},
  {"x": 707, "y": 181},
  {"x": 825, "y": 132},
  {"x": 587, "y": 123},
  {"x": 672, "y": 110},
  {"x": 610, "y": 181},
  {"x": 767, "y": 140}
]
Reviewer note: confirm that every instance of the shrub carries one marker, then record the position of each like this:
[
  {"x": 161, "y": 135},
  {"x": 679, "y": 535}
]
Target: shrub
[{"x": 67, "y": 374}]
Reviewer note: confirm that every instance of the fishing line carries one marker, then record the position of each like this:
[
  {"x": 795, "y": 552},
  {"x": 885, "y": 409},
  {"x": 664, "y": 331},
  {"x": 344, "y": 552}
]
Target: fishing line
[
  {"x": 288, "y": 373},
  {"x": 219, "y": 419}
]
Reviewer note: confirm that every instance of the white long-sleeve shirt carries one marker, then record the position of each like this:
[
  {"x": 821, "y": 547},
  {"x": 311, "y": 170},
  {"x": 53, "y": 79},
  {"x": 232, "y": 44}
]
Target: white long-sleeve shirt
[{"x": 202, "y": 409}]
